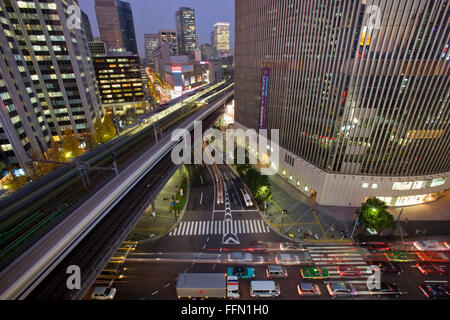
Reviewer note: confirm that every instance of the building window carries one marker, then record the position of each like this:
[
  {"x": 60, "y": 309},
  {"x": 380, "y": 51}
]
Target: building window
[
  {"x": 419, "y": 184},
  {"x": 365, "y": 185},
  {"x": 374, "y": 186},
  {"x": 402, "y": 186},
  {"x": 437, "y": 182}
]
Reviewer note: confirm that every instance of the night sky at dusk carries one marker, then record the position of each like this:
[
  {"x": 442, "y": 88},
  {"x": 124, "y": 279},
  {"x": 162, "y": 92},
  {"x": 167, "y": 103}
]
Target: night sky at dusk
[{"x": 152, "y": 15}]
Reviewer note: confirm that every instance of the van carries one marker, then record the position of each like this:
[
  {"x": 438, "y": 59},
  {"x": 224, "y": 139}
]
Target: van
[
  {"x": 274, "y": 272},
  {"x": 264, "y": 289}
]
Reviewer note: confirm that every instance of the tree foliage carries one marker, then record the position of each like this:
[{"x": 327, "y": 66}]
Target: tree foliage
[
  {"x": 104, "y": 130},
  {"x": 16, "y": 183},
  {"x": 259, "y": 184},
  {"x": 71, "y": 145},
  {"x": 373, "y": 214}
]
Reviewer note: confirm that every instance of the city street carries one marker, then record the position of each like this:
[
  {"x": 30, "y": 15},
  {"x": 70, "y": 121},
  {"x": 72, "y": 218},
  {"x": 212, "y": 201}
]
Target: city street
[{"x": 202, "y": 241}]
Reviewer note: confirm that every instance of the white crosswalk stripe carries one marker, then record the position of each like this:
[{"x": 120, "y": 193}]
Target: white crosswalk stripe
[
  {"x": 330, "y": 257},
  {"x": 218, "y": 227}
]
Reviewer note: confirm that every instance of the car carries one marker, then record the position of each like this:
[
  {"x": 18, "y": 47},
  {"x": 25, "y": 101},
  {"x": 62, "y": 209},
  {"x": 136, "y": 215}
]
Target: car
[
  {"x": 240, "y": 257},
  {"x": 429, "y": 268},
  {"x": 287, "y": 259},
  {"x": 386, "y": 266},
  {"x": 241, "y": 272},
  {"x": 341, "y": 289},
  {"x": 435, "y": 291},
  {"x": 314, "y": 273},
  {"x": 348, "y": 271},
  {"x": 258, "y": 246},
  {"x": 273, "y": 272},
  {"x": 433, "y": 256},
  {"x": 104, "y": 293},
  {"x": 386, "y": 288},
  {"x": 308, "y": 289},
  {"x": 374, "y": 246},
  {"x": 286, "y": 246},
  {"x": 398, "y": 256},
  {"x": 430, "y": 245}
]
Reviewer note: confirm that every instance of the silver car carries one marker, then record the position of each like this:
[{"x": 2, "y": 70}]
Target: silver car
[
  {"x": 341, "y": 289},
  {"x": 104, "y": 293}
]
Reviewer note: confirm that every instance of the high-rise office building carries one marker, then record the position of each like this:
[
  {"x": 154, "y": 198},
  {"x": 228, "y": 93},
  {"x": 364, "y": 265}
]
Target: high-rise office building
[
  {"x": 116, "y": 25},
  {"x": 151, "y": 43},
  {"x": 358, "y": 89},
  {"x": 47, "y": 78},
  {"x": 186, "y": 30},
  {"x": 222, "y": 38},
  {"x": 98, "y": 48},
  {"x": 87, "y": 26},
  {"x": 167, "y": 36}
]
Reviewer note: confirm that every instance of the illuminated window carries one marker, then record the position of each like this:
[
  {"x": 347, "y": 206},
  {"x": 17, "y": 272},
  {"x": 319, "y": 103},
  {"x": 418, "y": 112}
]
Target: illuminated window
[
  {"x": 402, "y": 186},
  {"x": 365, "y": 185},
  {"x": 437, "y": 182},
  {"x": 419, "y": 184},
  {"x": 374, "y": 186}
]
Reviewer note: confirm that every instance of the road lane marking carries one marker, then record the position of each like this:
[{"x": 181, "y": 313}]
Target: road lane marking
[
  {"x": 201, "y": 198},
  {"x": 155, "y": 292},
  {"x": 201, "y": 178}
]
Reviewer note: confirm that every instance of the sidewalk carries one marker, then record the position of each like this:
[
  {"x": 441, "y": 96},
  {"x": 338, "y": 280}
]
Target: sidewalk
[
  {"x": 304, "y": 220},
  {"x": 157, "y": 221}
]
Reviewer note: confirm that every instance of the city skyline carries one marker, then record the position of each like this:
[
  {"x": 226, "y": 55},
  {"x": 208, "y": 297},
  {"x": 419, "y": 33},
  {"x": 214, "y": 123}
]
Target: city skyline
[{"x": 146, "y": 21}]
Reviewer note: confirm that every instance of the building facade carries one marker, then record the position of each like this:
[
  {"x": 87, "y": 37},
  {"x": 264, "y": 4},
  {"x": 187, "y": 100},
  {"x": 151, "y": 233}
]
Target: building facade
[
  {"x": 222, "y": 38},
  {"x": 97, "y": 48},
  {"x": 119, "y": 79},
  {"x": 151, "y": 43},
  {"x": 186, "y": 30},
  {"x": 183, "y": 73},
  {"x": 48, "y": 81},
  {"x": 358, "y": 89},
  {"x": 116, "y": 25}
]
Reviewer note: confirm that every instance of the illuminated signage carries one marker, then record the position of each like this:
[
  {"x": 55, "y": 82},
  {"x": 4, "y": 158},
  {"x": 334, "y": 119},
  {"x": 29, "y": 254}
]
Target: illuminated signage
[
  {"x": 177, "y": 69},
  {"x": 264, "y": 93}
]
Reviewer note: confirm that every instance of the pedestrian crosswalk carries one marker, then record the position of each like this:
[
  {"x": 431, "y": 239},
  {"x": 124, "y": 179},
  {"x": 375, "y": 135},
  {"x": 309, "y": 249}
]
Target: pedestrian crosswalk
[
  {"x": 330, "y": 257},
  {"x": 219, "y": 227}
]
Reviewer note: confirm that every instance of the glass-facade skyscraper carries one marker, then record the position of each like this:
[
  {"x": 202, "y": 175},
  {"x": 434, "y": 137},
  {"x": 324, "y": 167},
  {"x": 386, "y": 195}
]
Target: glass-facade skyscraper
[
  {"x": 116, "y": 25},
  {"x": 186, "y": 30},
  {"x": 359, "y": 90}
]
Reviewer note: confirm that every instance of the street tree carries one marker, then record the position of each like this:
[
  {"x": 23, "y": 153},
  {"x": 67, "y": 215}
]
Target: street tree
[
  {"x": 109, "y": 127},
  {"x": 16, "y": 183},
  {"x": 99, "y": 131},
  {"x": 373, "y": 214},
  {"x": 71, "y": 145}
]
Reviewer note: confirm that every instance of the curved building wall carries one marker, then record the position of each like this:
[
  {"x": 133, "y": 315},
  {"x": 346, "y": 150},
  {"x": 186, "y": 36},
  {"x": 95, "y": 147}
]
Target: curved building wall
[{"x": 357, "y": 88}]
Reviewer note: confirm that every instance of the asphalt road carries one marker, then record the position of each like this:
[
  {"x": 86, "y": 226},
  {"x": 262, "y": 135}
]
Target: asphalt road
[{"x": 197, "y": 245}]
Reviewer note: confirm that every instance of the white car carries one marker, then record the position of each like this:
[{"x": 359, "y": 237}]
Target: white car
[
  {"x": 286, "y": 246},
  {"x": 240, "y": 257},
  {"x": 430, "y": 245},
  {"x": 104, "y": 293}
]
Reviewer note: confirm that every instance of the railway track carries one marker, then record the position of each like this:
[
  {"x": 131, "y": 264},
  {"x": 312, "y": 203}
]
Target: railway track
[
  {"x": 18, "y": 235},
  {"x": 99, "y": 241}
]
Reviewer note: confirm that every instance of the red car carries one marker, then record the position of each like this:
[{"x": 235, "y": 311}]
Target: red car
[
  {"x": 429, "y": 268},
  {"x": 348, "y": 271}
]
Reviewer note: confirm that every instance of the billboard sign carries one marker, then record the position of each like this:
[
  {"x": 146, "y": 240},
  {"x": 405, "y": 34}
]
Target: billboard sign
[{"x": 265, "y": 74}]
